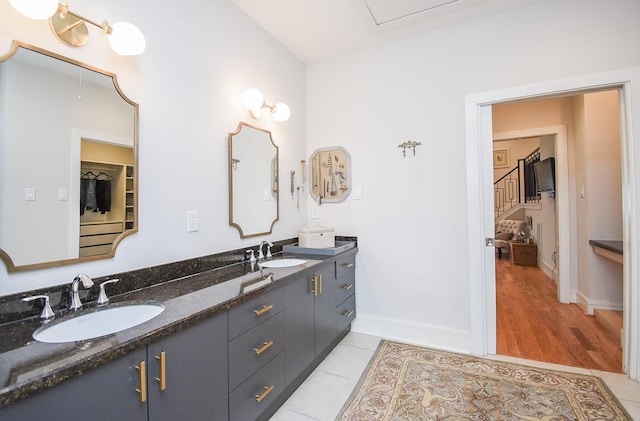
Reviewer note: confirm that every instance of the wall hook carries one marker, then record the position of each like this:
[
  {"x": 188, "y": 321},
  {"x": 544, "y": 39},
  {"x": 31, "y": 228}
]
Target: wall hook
[{"x": 409, "y": 144}]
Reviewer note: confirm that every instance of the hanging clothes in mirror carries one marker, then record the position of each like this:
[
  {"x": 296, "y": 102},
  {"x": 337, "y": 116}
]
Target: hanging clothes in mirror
[{"x": 95, "y": 192}]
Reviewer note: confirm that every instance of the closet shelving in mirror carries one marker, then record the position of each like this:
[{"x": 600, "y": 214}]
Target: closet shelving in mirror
[{"x": 107, "y": 202}]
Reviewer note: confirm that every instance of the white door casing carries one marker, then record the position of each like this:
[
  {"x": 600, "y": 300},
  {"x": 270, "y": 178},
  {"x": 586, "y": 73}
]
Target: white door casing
[{"x": 479, "y": 140}]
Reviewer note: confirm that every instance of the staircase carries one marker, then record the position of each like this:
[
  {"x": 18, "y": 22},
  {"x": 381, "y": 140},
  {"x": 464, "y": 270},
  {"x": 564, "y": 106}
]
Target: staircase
[{"x": 516, "y": 187}]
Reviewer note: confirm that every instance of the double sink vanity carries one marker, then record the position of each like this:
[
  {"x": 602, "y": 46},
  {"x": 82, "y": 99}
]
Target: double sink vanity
[
  {"x": 220, "y": 337},
  {"x": 232, "y": 340}
]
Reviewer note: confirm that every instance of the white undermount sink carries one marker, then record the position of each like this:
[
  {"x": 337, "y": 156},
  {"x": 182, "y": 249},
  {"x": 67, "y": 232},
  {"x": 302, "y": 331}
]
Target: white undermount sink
[
  {"x": 281, "y": 263},
  {"x": 104, "y": 321}
]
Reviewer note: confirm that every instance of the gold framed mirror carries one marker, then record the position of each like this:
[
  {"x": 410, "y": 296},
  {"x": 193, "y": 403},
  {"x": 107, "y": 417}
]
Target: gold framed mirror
[
  {"x": 253, "y": 181},
  {"x": 69, "y": 160}
]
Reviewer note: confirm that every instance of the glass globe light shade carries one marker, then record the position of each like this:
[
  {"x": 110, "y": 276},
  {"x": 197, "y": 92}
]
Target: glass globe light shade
[
  {"x": 252, "y": 99},
  {"x": 35, "y": 9},
  {"x": 126, "y": 39},
  {"x": 282, "y": 112}
]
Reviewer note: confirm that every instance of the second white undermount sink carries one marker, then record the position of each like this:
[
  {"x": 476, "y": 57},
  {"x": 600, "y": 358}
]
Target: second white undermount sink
[
  {"x": 93, "y": 324},
  {"x": 281, "y": 263}
]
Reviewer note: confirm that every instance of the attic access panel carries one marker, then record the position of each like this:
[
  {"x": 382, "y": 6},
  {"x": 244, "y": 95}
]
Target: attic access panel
[{"x": 385, "y": 11}]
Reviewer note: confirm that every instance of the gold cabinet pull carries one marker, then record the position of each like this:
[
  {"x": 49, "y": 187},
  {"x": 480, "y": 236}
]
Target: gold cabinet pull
[
  {"x": 142, "y": 371},
  {"x": 348, "y": 313},
  {"x": 263, "y": 310},
  {"x": 162, "y": 359},
  {"x": 315, "y": 286},
  {"x": 348, "y": 265},
  {"x": 347, "y": 286},
  {"x": 267, "y": 390},
  {"x": 320, "y": 276},
  {"x": 264, "y": 347}
]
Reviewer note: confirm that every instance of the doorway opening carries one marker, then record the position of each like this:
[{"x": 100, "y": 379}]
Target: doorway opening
[
  {"x": 480, "y": 204},
  {"x": 592, "y": 150}
]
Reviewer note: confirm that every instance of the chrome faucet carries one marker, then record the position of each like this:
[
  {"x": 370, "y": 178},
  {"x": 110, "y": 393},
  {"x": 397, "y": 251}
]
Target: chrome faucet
[
  {"x": 87, "y": 282},
  {"x": 269, "y": 245}
]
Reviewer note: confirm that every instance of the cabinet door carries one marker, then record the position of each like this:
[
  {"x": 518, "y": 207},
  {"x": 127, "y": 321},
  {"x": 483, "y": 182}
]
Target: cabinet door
[
  {"x": 195, "y": 373},
  {"x": 299, "y": 327},
  {"x": 325, "y": 308},
  {"x": 105, "y": 393}
]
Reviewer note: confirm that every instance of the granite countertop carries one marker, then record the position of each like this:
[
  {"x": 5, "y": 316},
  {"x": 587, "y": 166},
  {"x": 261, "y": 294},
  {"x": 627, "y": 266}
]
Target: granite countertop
[
  {"x": 611, "y": 245},
  {"x": 28, "y": 366}
]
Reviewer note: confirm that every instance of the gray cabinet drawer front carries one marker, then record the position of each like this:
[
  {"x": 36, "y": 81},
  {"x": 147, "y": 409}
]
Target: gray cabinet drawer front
[
  {"x": 346, "y": 313},
  {"x": 243, "y": 403},
  {"x": 257, "y": 310},
  {"x": 346, "y": 288},
  {"x": 345, "y": 266},
  {"x": 267, "y": 338}
]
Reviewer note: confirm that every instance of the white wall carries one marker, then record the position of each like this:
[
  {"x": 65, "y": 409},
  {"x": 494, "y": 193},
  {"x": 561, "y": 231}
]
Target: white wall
[
  {"x": 188, "y": 84},
  {"x": 599, "y": 211},
  {"x": 413, "y": 272}
]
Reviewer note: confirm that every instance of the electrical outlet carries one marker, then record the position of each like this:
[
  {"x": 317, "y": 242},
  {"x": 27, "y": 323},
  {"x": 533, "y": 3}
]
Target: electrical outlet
[
  {"x": 315, "y": 212},
  {"x": 192, "y": 221}
]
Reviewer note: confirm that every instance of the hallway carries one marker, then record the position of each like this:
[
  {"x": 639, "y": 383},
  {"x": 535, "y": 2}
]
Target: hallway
[{"x": 532, "y": 324}]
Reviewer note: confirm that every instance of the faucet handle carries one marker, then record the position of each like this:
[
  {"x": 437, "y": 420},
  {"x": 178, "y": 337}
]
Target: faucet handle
[
  {"x": 269, "y": 255},
  {"x": 252, "y": 258},
  {"x": 47, "y": 312},
  {"x": 102, "y": 297}
]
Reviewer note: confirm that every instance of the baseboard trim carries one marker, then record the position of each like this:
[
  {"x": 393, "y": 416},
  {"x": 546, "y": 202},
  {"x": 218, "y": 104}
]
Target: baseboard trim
[
  {"x": 413, "y": 333},
  {"x": 590, "y": 306}
]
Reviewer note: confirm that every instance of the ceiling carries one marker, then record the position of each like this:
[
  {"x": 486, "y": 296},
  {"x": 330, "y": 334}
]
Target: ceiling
[{"x": 315, "y": 30}]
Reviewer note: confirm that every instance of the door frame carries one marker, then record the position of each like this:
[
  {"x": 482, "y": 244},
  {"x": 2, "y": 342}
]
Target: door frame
[{"x": 479, "y": 146}]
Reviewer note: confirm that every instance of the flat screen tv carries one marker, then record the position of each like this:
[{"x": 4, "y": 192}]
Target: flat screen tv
[{"x": 545, "y": 173}]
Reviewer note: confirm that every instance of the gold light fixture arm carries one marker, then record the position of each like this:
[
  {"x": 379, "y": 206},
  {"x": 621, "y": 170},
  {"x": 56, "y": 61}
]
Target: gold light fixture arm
[{"x": 70, "y": 27}]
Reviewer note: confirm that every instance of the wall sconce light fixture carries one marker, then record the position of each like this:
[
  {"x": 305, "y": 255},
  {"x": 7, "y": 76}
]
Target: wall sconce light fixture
[
  {"x": 253, "y": 101},
  {"x": 71, "y": 28}
]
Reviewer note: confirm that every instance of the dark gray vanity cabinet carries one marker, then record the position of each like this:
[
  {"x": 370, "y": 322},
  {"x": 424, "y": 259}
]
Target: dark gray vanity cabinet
[
  {"x": 299, "y": 326},
  {"x": 187, "y": 373},
  {"x": 105, "y": 393},
  {"x": 325, "y": 288},
  {"x": 256, "y": 354},
  {"x": 319, "y": 305},
  {"x": 345, "y": 290},
  {"x": 194, "y": 376}
]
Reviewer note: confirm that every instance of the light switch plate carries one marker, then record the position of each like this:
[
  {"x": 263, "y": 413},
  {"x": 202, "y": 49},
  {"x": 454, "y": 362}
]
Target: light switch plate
[
  {"x": 30, "y": 193},
  {"x": 357, "y": 193}
]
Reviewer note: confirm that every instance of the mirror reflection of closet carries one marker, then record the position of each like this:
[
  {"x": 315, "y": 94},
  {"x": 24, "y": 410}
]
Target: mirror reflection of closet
[
  {"x": 48, "y": 105},
  {"x": 106, "y": 195}
]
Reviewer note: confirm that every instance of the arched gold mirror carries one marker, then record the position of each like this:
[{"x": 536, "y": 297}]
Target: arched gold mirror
[
  {"x": 68, "y": 160},
  {"x": 253, "y": 181}
]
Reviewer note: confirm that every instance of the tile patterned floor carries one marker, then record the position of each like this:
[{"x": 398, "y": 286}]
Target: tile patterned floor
[{"x": 325, "y": 391}]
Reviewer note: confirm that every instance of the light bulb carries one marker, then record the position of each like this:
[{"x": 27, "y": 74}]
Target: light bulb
[
  {"x": 126, "y": 39},
  {"x": 252, "y": 99},
  {"x": 35, "y": 9},
  {"x": 282, "y": 112}
]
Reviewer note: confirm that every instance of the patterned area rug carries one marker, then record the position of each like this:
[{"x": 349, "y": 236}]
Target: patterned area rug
[{"x": 405, "y": 382}]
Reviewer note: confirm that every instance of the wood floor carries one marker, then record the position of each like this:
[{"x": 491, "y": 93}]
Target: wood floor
[{"x": 532, "y": 324}]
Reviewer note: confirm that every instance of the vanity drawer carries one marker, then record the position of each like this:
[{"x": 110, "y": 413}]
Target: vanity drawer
[
  {"x": 346, "y": 313},
  {"x": 345, "y": 266},
  {"x": 251, "y": 398},
  {"x": 346, "y": 288},
  {"x": 253, "y": 349},
  {"x": 249, "y": 314}
]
